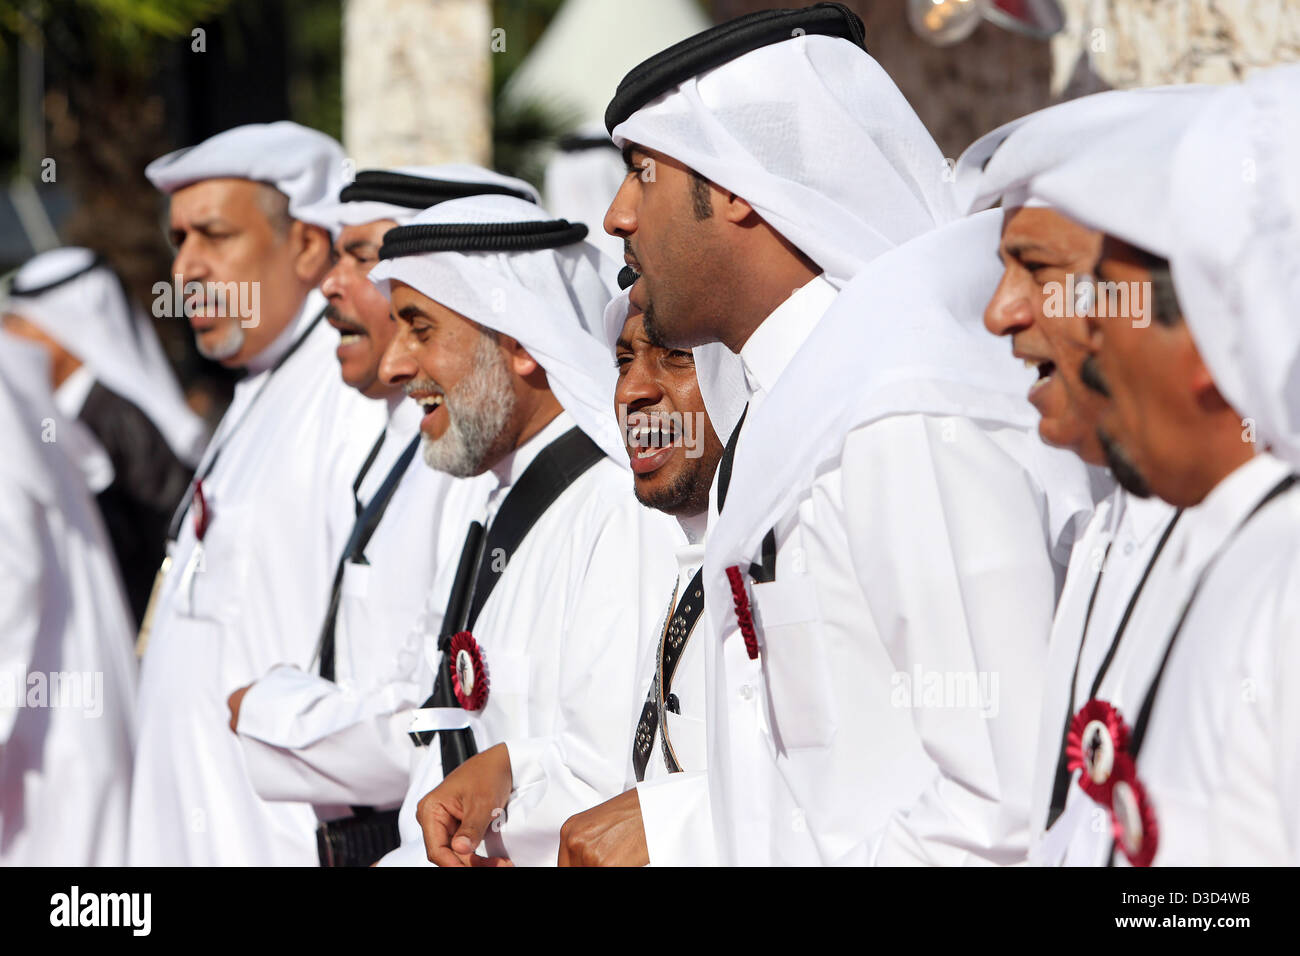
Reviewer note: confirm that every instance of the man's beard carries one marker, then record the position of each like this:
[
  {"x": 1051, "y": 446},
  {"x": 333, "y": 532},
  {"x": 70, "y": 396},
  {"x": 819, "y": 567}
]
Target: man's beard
[
  {"x": 685, "y": 495},
  {"x": 478, "y": 410},
  {"x": 1122, "y": 467},
  {"x": 231, "y": 341},
  {"x": 1090, "y": 375}
]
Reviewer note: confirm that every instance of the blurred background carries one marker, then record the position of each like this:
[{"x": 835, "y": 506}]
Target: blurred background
[{"x": 92, "y": 90}]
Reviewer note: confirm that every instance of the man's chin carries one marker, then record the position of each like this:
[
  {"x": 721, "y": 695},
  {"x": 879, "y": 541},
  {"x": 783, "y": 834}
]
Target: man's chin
[{"x": 225, "y": 346}]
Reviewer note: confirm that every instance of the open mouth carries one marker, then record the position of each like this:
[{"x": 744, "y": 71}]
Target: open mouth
[
  {"x": 349, "y": 332},
  {"x": 650, "y": 443}
]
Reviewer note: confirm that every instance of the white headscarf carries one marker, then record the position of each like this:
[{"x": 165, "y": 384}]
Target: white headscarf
[
  {"x": 29, "y": 419},
  {"x": 551, "y": 300},
  {"x": 1202, "y": 176},
  {"x": 339, "y": 213},
  {"x": 581, "y": 182},
  {"x": 1235, "y": 249},
  {"x": 90, "y": 316},
  {"x": 815, "y": 136},
  {"x": 304, "y": 164},
  {"x": 906, "y": 336}
]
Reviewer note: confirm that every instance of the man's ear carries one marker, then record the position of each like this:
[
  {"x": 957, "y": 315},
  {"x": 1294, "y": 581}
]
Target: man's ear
[
  {"x": 736, "y": 210},
  {"x": 521, "y": 363},
  {"x": 313, "y": 251},
  {"x": 1204, "y": 389}
]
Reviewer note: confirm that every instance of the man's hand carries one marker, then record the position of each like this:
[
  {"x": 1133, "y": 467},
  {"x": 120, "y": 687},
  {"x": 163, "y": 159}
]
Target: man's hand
[
  {"x": 234, "y": 701},
  {"x": 456, "y": 814},
  {"x": 610, "y": 834}
]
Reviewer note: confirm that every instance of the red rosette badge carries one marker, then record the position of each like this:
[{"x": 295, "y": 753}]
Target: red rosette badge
[
  {"x": 744, "y": 617},
  {"x": 1132, "y": 815},
  {"x": 1098, "y": 736},
  {"x": 469, "y": 673},
  {"x": 202, "y": 516}
]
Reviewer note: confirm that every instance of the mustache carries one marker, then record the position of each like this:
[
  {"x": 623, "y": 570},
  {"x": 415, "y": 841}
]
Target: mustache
[
  {"x": 422, "y": 385},
  {"x": 1090, "y": 375}
]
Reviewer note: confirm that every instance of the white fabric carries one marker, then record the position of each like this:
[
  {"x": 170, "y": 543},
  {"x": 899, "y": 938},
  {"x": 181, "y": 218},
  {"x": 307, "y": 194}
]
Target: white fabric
[
  {"x": 1235, "y": 253},
  {"x": 906, "y": 336},
  {"x": 304, "y": 164},
  {"x": 249, "y": 597},
  {"x": 67, "y": 678},
  {"x": 559, "y": 638},
  {"x": 1122, "y": 537},
  {"x": 340, "y": 214},
  {"x": 916, "y": 515},
  {"x": 1220, "y": 757},
  {"x": 344, "y": 742},
  {"x": 551, "y": 300},
  {"x": 580, "y": 185},
  {"x": 817, "y": 138},
  {"x": 91, "y": 317}
]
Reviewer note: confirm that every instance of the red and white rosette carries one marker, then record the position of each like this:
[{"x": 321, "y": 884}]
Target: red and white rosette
[
  {"x": 1133, "y": 818},
  {"x": 1098, "y": 736},
  {"x": 469, "y": 673}
]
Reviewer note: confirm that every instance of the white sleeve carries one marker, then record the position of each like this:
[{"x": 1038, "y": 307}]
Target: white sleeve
[
  {"x": 308, "y": 739},
  {"x": 585, "y": 761},
  {"x": 677, "y": 820},
  {"x": 964, "y": 587},
  {"x": 22, "y": 571}
]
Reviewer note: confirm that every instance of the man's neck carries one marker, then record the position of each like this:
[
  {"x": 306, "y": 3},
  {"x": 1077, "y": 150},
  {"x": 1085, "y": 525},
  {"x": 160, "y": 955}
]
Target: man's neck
[{"x": 1220, "y": 454}]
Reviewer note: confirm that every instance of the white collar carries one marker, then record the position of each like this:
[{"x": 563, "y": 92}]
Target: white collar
[
  {"x": 779, "y": 336},
  {"x": 70, "y": 397},
  {"x": 510, "y": 468},
  {"x": 307, "y": 312},
  {"x": 1217, "y": 517},
  {"x": 693, "y": 526}
]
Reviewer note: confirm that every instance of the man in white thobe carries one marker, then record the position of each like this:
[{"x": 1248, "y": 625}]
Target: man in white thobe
[
  {"x": 67, "y": 680},
  {"x": 335, "y": 735},
  {"x": 498, "y": 341},
  {"x": 891, "y": 721},
  {"x": 664, "y": 815},
  {"x": 1180, "y": 750},
  {"x": 254, "y": 548}
]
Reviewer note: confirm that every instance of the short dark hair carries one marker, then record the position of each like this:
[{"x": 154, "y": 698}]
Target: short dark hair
[{"x": 701, "y": 201}]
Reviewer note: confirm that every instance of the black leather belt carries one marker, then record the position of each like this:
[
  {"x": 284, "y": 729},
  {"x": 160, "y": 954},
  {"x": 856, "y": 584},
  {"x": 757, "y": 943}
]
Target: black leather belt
[{"x": 357, "y": 841}]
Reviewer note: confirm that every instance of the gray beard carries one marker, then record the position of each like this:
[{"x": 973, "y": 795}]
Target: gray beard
[
  {"x": 228, "y": 345},
  {"x": 478, "y": 410}
]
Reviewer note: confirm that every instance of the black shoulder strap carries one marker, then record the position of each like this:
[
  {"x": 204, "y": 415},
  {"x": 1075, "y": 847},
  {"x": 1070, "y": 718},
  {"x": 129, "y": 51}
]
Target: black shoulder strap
[
  {"x": 558, "y": 466},
  {"x": 482, "y": 562},
  {"x": 765, "y": 571}
]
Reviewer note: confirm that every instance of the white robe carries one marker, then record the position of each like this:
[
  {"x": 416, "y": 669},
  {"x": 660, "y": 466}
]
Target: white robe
[
  {"x": 902, "y": 641},
  {"x": 67, "y": 678},
  {"x": 342, "y": 743},
  {"x": 675, "y": 811},
  {"x": 250, "y": 597},
  {"x": 560, "y": 638},
  {"x": 1220, "y": 757},
  {"x": 1122, "y": 536}
]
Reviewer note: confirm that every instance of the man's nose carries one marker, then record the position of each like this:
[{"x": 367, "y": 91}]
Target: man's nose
[
  {"x": 1010, "y": 310},
  {"x": 188, "y": 264},
  {"x": 332, "y": 285},
  {"x": 637, "y": 388},
  {"x": 620, "y": 218},
  {"x": 397, "y": 367}
]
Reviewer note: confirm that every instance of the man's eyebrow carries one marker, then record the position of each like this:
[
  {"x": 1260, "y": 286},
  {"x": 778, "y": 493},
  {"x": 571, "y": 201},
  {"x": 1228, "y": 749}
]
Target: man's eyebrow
[
  {"x": 356, "y": 244},
  {"x": 630, "y": 151},
  {"x": 1020, "y": 247},
  {"x": 623, "y": 343},
  {"x": 410, "y": 312}
]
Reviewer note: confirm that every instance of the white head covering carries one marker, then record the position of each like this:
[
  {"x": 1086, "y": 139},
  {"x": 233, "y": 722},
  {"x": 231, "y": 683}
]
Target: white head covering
[
  {"x": 304, "y": 164},
  {"x": 581, "y": 180},
  {"x": 1201, "y": 176},
  {"x": 906, "y": 336},
  {"x": 27, "y": 411},
  {"x": 90, "y": 316},
  {"x": 814, "y": 135},
  {"x": 340, "y": 213},
  {"x": 551, "y": 300},
  {"x": 1235, "y": 249}
]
